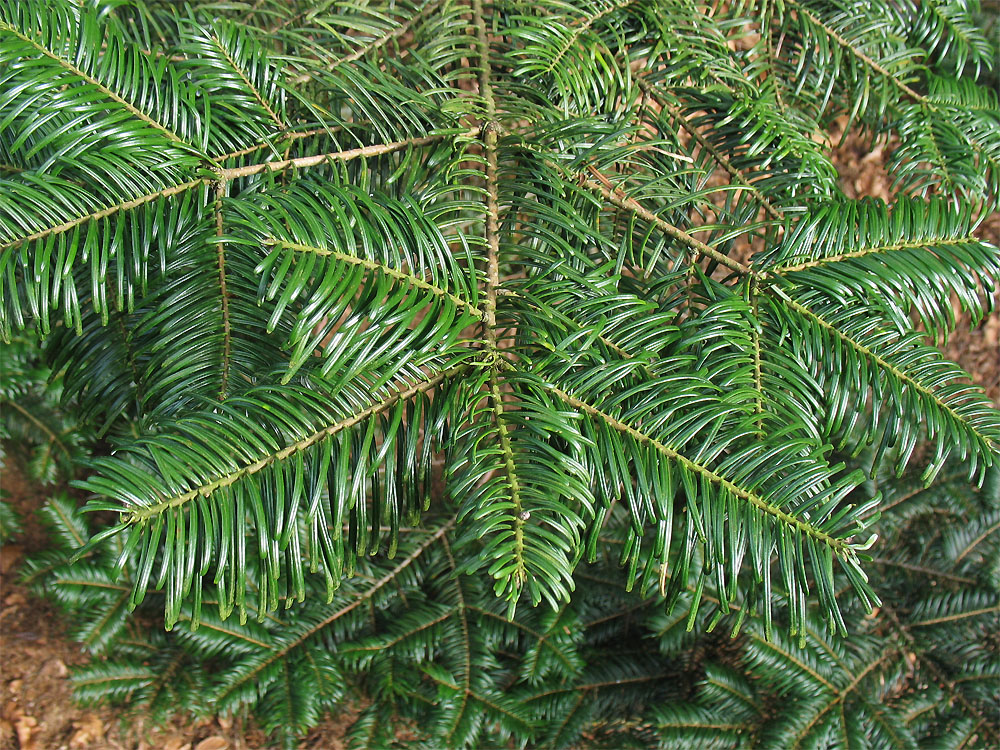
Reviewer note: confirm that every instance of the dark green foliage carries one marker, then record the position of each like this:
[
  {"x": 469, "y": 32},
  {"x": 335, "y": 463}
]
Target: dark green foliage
[
  {"x": 394, "y": 320},
  {"x": 10, "y": 522},
  {"x": 924, "y": 671},
  {"x": 408, "y": 633},
  {"x": 45, "y": 437},
  {"x": 435, "y": 651},
  {"x": 283, "y": 281}
]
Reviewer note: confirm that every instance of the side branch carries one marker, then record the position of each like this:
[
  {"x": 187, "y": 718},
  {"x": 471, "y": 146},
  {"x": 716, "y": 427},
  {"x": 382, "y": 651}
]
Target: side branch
[
  {"x": 872, "y": 251},
  {"x": 53, "y": 437},
  {"x": 305, "y": 162},
  {"x": 235, "y": 173},
  {"x": 838, "y": 545},
  {"x": 220, "y": 193},
  {"x": 490, "y": 140},
  {"x": 924, "y": 102},
  {"x": 378, "y": 42},
  {"x": 616, "y": 197},
  {"x": 358, "y": 601},
  {"x": 246, "y": 82},
  {"x": 705, "y": 144},
  {"x": 68, "y": 66},
  {"x": 396, "y": 33},
  {"x": 207, "y": 489},
  {"x": 106, "y": 212},
  {"x": 975, "y": 542},
  {"x": 841, "y": 695},
  {"x": 580, "y": 26},
  {"x": 958, "y": 616},
  {"x": 943, "y": 680},
  {"x": 286, "y": 135},
  {"x": 886, "y": 365},
  {"x": 402, "y": 276},
  {"x": 861, "y": 56},
  {"x": 795, "y": 659}
]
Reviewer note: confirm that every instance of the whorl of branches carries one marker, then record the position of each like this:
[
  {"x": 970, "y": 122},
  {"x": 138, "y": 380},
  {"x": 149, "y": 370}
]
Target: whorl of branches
[{"x": 289, "y": 260}]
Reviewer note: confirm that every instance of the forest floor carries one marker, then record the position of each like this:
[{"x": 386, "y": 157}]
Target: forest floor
[{"x": 36, "y": 707}]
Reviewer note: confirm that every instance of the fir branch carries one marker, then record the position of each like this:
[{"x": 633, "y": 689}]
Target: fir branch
[
  {"x": 220, "y": 193},
  {"x": 839, "y": 545},
  {"x": 52, "y": 436},
  {"x": 144, "y": 513},
  {"x": 233, "y": 173},
  {"x": 580, "y": 27},
  {"x": 492, "y": 231},
  {"x": 305, "y": 162},
  {"x": 955, "y": 617},
  {"x": 246, "y": 81},
  {"x": 613, "y": 195},
  {"x": 376, "y": 44},
  {"x": 859, "y": 55},
  {"x": 717, "y": 155},
  {"x": 362, "y": 598},
  {"x": 407, "y": 279},
  {"x": 921, "y": 244},
  {"x": 887, "y": 366},
  {"x": 71, "y": 68},
  {"x": 837, "y": 697},
  {"x": 637, "y": 409},
  {"x": 104, "y": 213},
  {"x": 976, "y": 542}
]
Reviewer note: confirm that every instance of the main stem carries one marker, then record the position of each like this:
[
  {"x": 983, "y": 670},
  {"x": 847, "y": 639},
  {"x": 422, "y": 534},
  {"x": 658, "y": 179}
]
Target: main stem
[{"x": 490, "y": 141}]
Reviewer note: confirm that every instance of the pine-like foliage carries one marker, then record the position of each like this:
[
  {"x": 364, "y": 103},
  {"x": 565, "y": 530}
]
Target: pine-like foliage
[
  {"x": 506, "y": 274},
  {"x": 923, "y": 671},
  {"x": 416, "y": 639},
  {"x": 433, "y": 650}
]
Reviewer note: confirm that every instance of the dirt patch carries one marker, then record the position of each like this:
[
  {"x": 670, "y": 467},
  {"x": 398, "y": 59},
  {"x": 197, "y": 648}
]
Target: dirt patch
[
  {"x": 36, "y": 710},
  {"x": 860, "y": 163}
]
